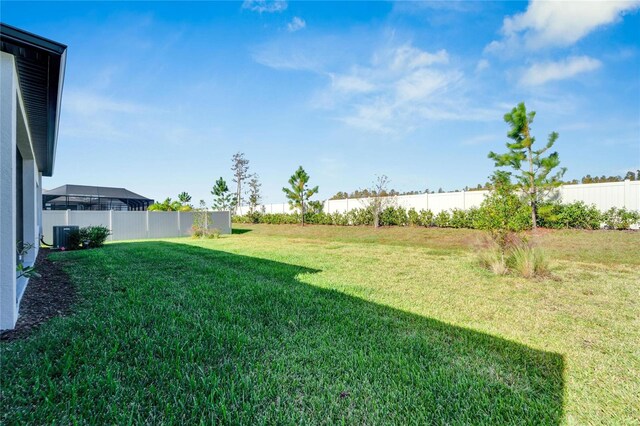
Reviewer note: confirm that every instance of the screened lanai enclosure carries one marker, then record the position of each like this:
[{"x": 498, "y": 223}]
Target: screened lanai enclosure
[{"x": 82, "y": 197}]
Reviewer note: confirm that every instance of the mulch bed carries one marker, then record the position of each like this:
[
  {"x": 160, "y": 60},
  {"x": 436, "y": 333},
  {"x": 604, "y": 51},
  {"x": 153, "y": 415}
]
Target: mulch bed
[{"x": 51, "y": 295}]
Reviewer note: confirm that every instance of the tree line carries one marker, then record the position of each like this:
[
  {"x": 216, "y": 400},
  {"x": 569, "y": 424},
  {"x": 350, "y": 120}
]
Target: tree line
[{"x": 526, "y": 168}]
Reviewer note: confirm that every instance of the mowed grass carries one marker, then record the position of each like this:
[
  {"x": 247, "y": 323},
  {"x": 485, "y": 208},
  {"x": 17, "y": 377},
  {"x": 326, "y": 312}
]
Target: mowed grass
[{"x": 325, "y": 325}]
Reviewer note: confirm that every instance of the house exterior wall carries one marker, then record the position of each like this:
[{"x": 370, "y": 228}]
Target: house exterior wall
[
  {"x": 15, "y": 138},
  {"x": 8, "y": 148}
]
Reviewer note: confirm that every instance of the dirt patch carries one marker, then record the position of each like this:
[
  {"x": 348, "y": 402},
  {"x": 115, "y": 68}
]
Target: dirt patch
[{"x": 51, "y": 295}]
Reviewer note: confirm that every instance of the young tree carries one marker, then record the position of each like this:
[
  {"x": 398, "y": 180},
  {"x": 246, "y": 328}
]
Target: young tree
[
  {"x": 254, "y": 193},
  {"x": 223, "y": 199},
  {"x": 503, "y": 213},
  {"x": 201, "y": 221},
  {"x": 535, "y": 179},
  {"x": 299, "y": 193},
  {"x": 240, "y": 169},
  {"x": 378, "y": 198},
  {"x": 184, "y": 198}
]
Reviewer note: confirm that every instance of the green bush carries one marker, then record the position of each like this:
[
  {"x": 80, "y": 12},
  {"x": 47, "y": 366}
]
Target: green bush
[
  {"x": 513, "y": 212},
  {"x": 394, "y": 216},
  {"x": 360, "y": 217},
  {"x": 426, "y": 218},
  {"x": 620, "y": 219},
  {"x": 88, "y": 237},
  {"x": 413, "y": 217},
  {"x": 442, "y": 219},
  {"x": 576, "y": 215},
  {"x": 463, "y": 218}
]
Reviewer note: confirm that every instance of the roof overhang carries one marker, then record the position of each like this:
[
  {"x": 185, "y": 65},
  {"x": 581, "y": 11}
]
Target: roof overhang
[{"x": 40, "y": 64}]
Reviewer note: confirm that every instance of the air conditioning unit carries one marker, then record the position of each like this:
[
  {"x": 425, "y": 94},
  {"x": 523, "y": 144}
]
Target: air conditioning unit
[{"x": 61, "y": 235}]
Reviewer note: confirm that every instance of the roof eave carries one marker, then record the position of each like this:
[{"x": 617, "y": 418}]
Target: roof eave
[{"x": 56, "y": 53}]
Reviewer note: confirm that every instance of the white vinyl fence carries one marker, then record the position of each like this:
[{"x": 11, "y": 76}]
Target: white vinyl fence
[
  {"x": 602, "y": 195},
  {"x": 125, "y": 225}
]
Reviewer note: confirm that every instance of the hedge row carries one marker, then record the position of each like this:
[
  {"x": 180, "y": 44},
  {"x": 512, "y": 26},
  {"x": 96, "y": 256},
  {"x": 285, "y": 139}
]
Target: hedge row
[{"x": 576, "y": 215}]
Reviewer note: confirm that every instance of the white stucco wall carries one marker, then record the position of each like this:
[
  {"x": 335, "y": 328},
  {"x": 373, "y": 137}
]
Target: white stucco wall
[
  {"x": 14, "y": 136},
  {"x": 8, "y": 132}
]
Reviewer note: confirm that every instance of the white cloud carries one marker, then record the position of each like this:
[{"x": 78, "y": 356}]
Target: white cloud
[
  {"x": 409, "y": 58},
  {"x": 296, "y": 24},
  {"x": 401, "y": 89},
  {"x": 540, "y": 73},
  {"x": 267, "y": 6},
  {"x": 351, "y": 84},
  {"x": 558, "y": 23},
  {"x": 482, "y": 65},
  {"x": 397, "y": 90}
]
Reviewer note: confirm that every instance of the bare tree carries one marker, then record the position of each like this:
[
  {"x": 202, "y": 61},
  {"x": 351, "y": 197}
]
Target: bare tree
[
  {"x": 240, "y": 169},
  {"x": 379, "y": 198}
]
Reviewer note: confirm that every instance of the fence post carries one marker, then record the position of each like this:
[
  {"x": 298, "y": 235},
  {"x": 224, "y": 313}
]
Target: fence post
[
  {"x": 66, "y": 217},
  {"x": 464, "y": 200},
  {"x": 111, "y": 225},
  {"x": 146, "y": 222},
  {"x": 179, "y": 227},
  {"x": 627, "y": 193}
]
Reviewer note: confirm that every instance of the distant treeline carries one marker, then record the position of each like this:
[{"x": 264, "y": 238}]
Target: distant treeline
[{"x": 365, "y": 193}]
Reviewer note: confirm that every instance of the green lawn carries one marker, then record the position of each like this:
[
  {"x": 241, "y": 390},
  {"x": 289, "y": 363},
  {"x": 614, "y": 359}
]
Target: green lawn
[{"x": 285, "y": 325}]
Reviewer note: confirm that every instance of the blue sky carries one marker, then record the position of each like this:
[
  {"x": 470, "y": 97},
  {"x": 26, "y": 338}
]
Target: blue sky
[{"x": 159, "y": 96}]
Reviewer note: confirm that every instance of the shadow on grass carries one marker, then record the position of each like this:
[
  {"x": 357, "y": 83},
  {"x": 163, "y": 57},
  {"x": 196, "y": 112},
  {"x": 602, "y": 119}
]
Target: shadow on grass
[
  {"x": 177, "y": 333},
  {"x": 240, "y": 230}
]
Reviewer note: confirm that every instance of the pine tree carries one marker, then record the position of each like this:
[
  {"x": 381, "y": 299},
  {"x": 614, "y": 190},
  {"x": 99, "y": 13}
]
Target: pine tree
[
  {"x": 299, "y": 191},
  {"x": 534, "y": 177},
  {"x": 223, "y": 199}
]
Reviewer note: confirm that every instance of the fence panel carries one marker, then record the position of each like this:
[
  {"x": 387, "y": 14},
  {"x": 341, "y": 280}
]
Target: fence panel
[
  {"x": 132, "y": 225},
  {"x": 602, "y": 195},
  {"x": 128, "y": 225},
  {"x": 222, "y": 221},
  {"x": 163, "y": 224},
  {"x": 49, "y": 219}
]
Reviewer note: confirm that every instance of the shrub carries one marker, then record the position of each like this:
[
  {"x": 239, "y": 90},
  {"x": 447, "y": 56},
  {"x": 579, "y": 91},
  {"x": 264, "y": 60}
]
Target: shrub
[
  {"x": 426, "y": 218},
  {"x": 254, "y": 217},
  {"x": 461, "y": 219},
  {"x": 95, "y": 235},
  {"x": 74, "y": 241},
  {"x": 88, "y": 237},
  {"x": 620, "y": 219},
  {"x": 202, "y": 232},
  {"x": 574, "y": 215},
  {"x": 413, "y": 217},
  {"x": 394, "y": 216},
  {"x": 473, "y": 215},
  {"x": 503, "y": 213},
  {"x": 442, "y": 219}
]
